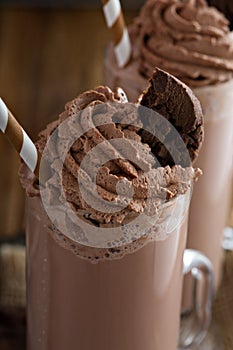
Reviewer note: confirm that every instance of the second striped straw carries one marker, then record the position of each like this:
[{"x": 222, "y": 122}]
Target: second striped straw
[{"x": 116, "y": 24}]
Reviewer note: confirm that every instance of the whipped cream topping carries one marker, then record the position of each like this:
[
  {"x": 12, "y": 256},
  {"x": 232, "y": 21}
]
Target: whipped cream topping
[
  {"x": 187, "y": 38},
  {"x": 131, "y": 170}
]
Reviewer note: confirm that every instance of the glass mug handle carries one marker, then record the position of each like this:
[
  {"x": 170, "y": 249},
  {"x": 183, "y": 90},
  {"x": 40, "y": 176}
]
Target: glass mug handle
[{"x": 200, "y": 267}]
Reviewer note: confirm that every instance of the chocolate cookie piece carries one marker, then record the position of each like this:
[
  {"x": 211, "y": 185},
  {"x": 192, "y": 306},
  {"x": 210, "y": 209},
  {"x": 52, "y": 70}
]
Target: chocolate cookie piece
[{"x": 176, "y": 102}]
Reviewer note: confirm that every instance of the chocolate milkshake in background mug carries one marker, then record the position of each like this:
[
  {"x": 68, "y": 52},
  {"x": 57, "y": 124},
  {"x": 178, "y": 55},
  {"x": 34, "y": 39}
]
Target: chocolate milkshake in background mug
[
  {"x": 106, "y": 234},
  {"x": 192, "y": 41}
]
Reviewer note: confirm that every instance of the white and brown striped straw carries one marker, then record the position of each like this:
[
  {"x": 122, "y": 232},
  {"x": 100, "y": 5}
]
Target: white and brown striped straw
[
  {"x": 116, "y": 24},
  {"x": 20, "y": 140}
]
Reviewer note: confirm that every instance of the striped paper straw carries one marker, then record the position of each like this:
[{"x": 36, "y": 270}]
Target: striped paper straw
[
  {"x": 116, "y": 24},
  {"x": 20, "y": 140}
]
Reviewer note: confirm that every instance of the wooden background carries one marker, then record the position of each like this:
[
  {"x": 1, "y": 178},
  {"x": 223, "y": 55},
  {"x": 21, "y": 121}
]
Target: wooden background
[{"x": 126, "y": 4}]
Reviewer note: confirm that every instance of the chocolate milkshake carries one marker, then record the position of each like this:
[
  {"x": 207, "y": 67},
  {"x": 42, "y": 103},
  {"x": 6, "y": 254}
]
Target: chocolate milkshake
[
  {"x": 122, "y": 303},
  {"x": 192, "y": 41},
  {"x": 89, "y": 288}
]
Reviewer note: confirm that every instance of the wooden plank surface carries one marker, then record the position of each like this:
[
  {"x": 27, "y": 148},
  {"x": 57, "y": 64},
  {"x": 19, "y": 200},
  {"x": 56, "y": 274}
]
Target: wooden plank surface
[{"x": 47, "y": 57}]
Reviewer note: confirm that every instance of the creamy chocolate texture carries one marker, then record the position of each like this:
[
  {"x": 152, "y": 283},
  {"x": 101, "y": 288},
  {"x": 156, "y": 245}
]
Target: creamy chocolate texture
[
  {"x": 139, "y": 174},
  {"x": 119, "y": 169},
  {"x": 188, "y": 39}
]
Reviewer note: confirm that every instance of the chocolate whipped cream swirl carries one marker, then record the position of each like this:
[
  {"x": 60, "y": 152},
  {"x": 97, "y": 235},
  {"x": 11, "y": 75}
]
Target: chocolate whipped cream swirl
[
  {"x": 187, "y": 38},
  {"x": 125, "y": 180}
]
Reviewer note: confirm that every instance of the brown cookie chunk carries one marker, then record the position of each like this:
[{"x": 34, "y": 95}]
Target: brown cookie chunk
[{"x": 172, "y": 99}]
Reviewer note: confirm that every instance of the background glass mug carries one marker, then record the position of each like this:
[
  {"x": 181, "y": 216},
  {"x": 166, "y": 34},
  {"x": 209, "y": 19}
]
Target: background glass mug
[
  {"x": 210, "y": 204},
  {"x": 123, "y": 301}
]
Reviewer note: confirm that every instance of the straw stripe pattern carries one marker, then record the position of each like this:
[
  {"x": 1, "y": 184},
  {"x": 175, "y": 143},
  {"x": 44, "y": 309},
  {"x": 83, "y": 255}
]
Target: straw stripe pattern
[
  {"x": 29, "y": 152},
  {"x": 18, "y": 137},
  {"x": 4, "y": 116},
  {"x": 112, "y": 10},
  {"x": 116, "y": 24}
]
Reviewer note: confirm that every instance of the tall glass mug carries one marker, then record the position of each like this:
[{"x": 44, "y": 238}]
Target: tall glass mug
[
  {"x": 119, "y": 298},
  {"x": 210, "y": 202}
]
